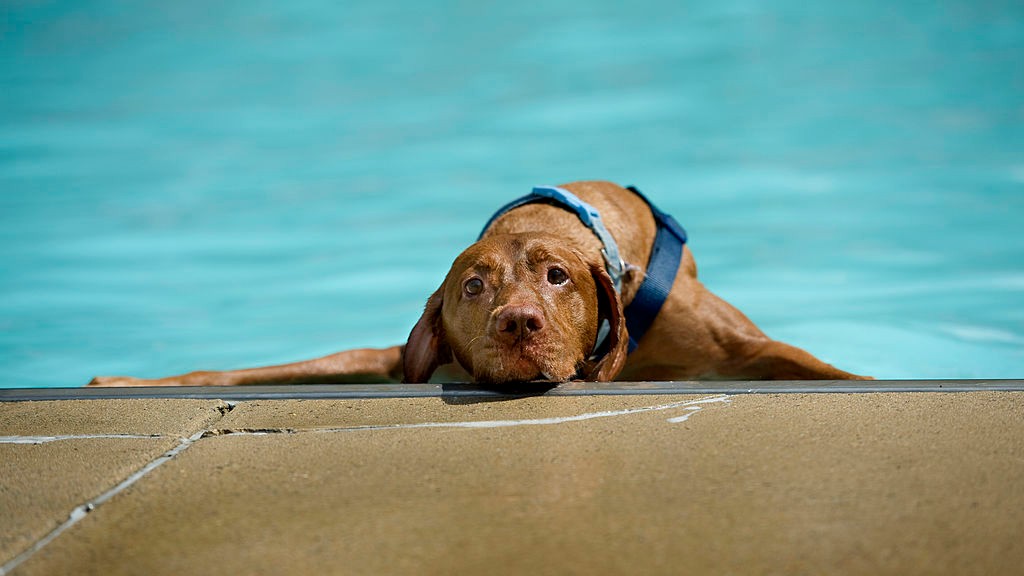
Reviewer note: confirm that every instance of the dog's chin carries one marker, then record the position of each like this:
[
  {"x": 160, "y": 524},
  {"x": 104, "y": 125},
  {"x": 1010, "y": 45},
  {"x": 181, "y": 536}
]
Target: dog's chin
[{"x": 518, "y": 365}]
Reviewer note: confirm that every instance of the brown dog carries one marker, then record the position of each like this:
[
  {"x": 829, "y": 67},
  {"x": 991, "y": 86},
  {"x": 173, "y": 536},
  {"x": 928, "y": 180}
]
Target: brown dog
[{"x": 528, "y": 300}]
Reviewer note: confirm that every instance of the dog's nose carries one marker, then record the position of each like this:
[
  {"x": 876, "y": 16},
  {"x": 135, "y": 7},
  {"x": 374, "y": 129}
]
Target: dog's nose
[{"x": 519, "y": 322}]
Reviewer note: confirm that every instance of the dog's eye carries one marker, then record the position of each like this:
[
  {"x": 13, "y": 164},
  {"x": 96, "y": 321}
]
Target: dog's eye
[
  {"x": 557, "y": 276},
  {"x": 473, "y": 286}
]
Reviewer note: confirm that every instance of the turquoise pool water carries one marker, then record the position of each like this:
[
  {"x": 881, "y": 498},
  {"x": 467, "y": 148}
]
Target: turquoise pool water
[{"x": 216, "y": 185}]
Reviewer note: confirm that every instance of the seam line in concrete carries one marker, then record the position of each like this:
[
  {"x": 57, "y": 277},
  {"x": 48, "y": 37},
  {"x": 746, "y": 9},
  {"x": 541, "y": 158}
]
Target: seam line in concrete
[
  {"x": 691, "y": 407},
  {"x": 81, "y": 511},
  {"x": 46, "y": 439},
  {"x": 688, "y": 404}
]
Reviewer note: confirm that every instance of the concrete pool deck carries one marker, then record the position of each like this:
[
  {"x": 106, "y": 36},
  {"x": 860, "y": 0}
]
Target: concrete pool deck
[{"x": 638, "y": 479}]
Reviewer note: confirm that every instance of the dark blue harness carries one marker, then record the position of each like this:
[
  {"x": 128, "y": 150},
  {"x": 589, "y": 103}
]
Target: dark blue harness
[{"x": 666, "y": 253}]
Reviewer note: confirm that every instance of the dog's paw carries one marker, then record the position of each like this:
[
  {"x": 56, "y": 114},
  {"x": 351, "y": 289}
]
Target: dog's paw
[{"x": 111, "y": 381}]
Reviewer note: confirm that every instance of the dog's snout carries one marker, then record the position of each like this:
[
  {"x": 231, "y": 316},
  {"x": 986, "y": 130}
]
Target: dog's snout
[{"x": 519, "y": 322}]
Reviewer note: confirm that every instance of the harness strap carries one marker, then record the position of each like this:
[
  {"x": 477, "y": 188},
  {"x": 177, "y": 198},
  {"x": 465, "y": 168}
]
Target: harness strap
[{"x": 666, "y": 254}]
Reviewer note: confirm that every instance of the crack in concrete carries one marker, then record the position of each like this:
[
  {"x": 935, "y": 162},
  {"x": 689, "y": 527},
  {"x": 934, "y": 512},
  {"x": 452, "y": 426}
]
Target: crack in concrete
[
  {"x": 81, "y": 511},
  {"x": 691, "y": 407},
  {"x": 247, "y": 431},
  {"x": 46, "y": 439}
]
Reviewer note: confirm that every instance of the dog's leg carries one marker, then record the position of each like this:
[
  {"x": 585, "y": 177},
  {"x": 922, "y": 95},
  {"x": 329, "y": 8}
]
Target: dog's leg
[
  {"x": 721, "y": 342},
  {"x": 362, "y": 365},
  {"x": 774, "y": 360}
]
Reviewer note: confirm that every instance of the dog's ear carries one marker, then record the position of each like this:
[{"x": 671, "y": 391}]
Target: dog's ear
[
  {"x": 427, "y": 347},
  {"x": 608, "y": 366}
]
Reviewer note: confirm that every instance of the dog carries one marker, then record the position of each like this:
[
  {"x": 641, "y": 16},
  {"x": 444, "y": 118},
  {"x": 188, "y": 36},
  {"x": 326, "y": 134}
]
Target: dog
[{"x": 583, "y": 281}]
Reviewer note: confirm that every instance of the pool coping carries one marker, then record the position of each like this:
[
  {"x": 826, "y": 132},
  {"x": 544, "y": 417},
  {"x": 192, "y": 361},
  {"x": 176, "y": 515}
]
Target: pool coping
[
  {"x": 358, "y": 391},
  {"x": 866, "y": 439}
]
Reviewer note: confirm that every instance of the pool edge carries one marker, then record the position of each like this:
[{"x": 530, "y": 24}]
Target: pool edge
[{"x": 357, "y": 391}]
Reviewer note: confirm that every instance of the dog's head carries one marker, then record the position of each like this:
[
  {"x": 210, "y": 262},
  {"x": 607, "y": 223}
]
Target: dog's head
[{"x": 517, "y": 308}]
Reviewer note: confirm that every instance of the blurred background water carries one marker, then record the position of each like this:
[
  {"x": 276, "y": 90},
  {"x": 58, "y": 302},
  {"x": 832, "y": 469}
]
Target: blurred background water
[{"x": 216, "y": 185}]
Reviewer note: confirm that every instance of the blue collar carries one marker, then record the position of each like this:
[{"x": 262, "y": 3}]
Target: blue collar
[
  {"x": 586, "y": 213},
  {"x": 666, "y": 254}
]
